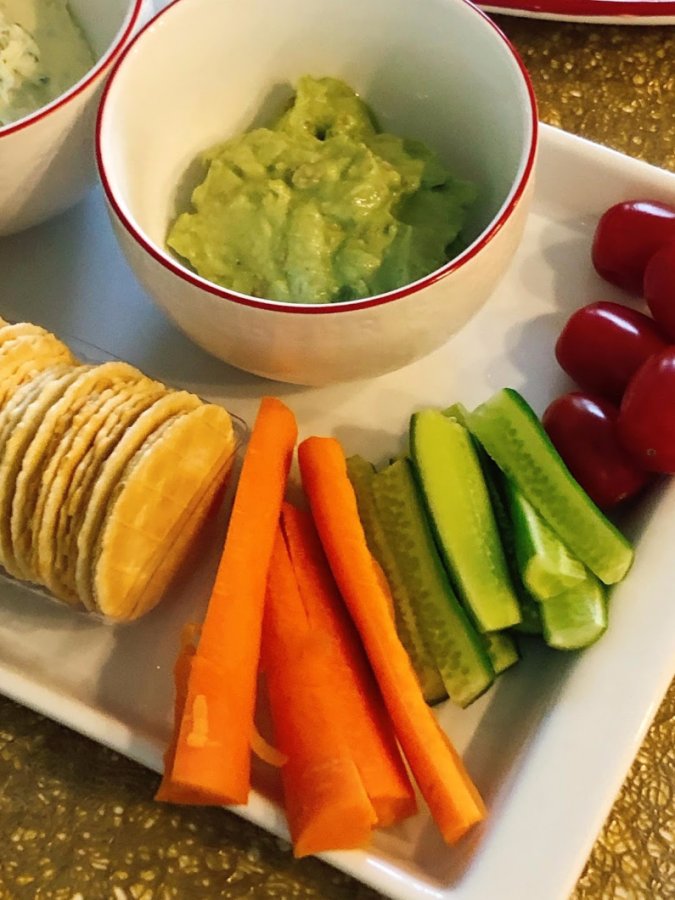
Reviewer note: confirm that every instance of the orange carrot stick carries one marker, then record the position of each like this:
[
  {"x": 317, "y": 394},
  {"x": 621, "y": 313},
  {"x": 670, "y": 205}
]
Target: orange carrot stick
[
  {"x": 356, "y": 703},
  {"x": 326, "y": 804},
  {"x": 215, "y": 733},
  {"x": 440, "y": 774},
  {"x": 168, "y": 792}
]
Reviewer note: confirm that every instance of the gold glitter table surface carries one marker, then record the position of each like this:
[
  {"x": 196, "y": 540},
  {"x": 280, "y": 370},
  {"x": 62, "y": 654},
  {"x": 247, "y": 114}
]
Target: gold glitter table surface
[{"x": 77, "y": 822}]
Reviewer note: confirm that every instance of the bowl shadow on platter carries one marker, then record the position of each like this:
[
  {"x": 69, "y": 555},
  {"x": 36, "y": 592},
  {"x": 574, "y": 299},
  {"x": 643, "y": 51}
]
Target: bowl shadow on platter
[
  {"x": 531, "y": 344},
  {"x": 155, "y": 345},
  {"x": 576, "y": 282}
]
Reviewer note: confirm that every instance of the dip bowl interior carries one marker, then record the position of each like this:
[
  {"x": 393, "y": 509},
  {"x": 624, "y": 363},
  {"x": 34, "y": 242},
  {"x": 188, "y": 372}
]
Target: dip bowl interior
[
  {"x": 205, "y": 70},
  {"x": 47, "y": 158}
]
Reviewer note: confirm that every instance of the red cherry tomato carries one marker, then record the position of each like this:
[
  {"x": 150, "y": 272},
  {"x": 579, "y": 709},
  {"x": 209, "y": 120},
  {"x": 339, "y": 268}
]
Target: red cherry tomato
[
  {"x": 627, "y": 236},
  {"x": 659, "y": 288},
  {"x": 646, "y": 422},
  {"x": 604, "y": 344},
  {"x": 583, "y": 431}
]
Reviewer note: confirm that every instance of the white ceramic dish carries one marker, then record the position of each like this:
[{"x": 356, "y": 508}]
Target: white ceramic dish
[
  {"x": 438, "y": 71},
  {"x": 47, "y": 158},
  {"x": 551, "y": 743},
  {"x": 599, "y": 12}
]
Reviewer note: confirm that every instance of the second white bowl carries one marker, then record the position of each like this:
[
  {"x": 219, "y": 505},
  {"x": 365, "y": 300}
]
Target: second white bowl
[{"x": 47, "y": 158}]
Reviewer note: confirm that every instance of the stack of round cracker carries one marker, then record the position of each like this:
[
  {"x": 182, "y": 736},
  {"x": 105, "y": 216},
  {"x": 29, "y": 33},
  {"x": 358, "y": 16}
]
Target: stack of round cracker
[{"x": 105, "y": 475}]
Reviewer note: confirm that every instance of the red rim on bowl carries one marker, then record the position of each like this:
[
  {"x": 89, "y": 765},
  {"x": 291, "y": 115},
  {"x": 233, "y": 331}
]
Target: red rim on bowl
[
  {"x": 128, "y": 26},
  {"x": 330, "y": 308}
]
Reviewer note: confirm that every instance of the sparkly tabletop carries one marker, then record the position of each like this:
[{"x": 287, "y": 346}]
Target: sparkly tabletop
[{"x": 77, "y": 822}]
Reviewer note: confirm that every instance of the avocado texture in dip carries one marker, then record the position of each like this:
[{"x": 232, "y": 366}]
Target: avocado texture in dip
[{"x": 321, "y": 207}]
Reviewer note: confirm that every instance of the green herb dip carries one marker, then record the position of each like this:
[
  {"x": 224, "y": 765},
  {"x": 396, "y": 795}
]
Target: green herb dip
[
  {"x": 43, "y": 53},
  {"x": 320, "y": 207}
]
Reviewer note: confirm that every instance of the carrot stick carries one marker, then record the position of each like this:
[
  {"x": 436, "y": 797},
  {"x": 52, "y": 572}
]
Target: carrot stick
[
  {"x": 440, "y": 774},
  {"x": 356, "y": 704},
  {"x": 168, "y": 792},
  {"x": 326, "y": 804},
  {"x": 216, "y": 728}
]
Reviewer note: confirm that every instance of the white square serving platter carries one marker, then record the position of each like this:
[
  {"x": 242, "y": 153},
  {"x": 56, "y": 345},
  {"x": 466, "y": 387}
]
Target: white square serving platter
[{"x": 550, "y": 744}]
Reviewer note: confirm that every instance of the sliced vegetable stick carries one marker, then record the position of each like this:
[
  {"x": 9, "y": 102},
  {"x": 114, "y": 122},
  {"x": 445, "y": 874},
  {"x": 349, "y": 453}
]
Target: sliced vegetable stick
[
  {"x": 175, "y": 793},
  {"x": 326, "y": 804},
  {"x": 356, "y": 703},
  {"x": 362, "y": 474},
  {"x": 453, "y": 799},
  {"x": 168, "y": 792},
  {"x": 214, "y": 742}
]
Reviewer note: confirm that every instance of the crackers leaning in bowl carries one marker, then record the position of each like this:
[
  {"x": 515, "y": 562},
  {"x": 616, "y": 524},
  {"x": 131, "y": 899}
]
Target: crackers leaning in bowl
[{"x": 105, "y": 475}]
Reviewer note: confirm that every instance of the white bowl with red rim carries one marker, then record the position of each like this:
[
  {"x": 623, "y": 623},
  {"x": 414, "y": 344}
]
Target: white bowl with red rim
[
  {"x": 47, "y": 160},
  {"x": 203, "y": 70}
]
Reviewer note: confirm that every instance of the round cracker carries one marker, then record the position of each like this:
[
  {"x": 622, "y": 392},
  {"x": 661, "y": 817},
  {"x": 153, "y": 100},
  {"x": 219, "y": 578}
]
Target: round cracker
[
  {"x": 24, "y": 355},
  {"x": 148, "y": 422},
  {"x": 153, "y": 501},
  {"x": 70, "y": 451},
  {"x": 75, "y": 506},
  {"x": 24, "y": 422},
  {"x": 15, "y": 408},
  {"x": 55, "y": 559},
  {"x": 19, "y": 329},
  {"x": 55, "y": 466},
  {"x": 73, "y": 509},
  {"x": 13, "y": 413},
  {"x": 59, "y": 418},
  {"x": 187, "y": 528}
]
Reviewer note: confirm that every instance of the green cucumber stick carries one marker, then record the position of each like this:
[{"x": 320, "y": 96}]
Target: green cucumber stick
[
  {"x": 361, "y": 474},
  {"x": 546, "y": 566},
  {"x": 530, "y": 622},
  {"x": 459, "y": 508},
  {"x": 576, "y": 618},
  {"x": 502, "y": 650},
  {"x": 456, "y": 647},
  {"x": 513, "y": 436}
]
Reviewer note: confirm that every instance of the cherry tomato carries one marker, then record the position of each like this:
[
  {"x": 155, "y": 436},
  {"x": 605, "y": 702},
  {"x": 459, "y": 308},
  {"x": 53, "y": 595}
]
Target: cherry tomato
[
  {"x": 627, "y": 236},
  {"x": 604, "y": 344},
  {"x": 646, "y": 422},
  {"x": 659, "y": 288},
  {"x": 583, "y": 431}
]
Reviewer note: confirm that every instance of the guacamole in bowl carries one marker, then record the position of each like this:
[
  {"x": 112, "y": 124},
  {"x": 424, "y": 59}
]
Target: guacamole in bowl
[{"x": 320, "y": 206}]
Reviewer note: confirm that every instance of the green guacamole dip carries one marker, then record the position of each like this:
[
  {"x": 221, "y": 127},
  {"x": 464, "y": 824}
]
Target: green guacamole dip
[{"x": 320, "y": 207}]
